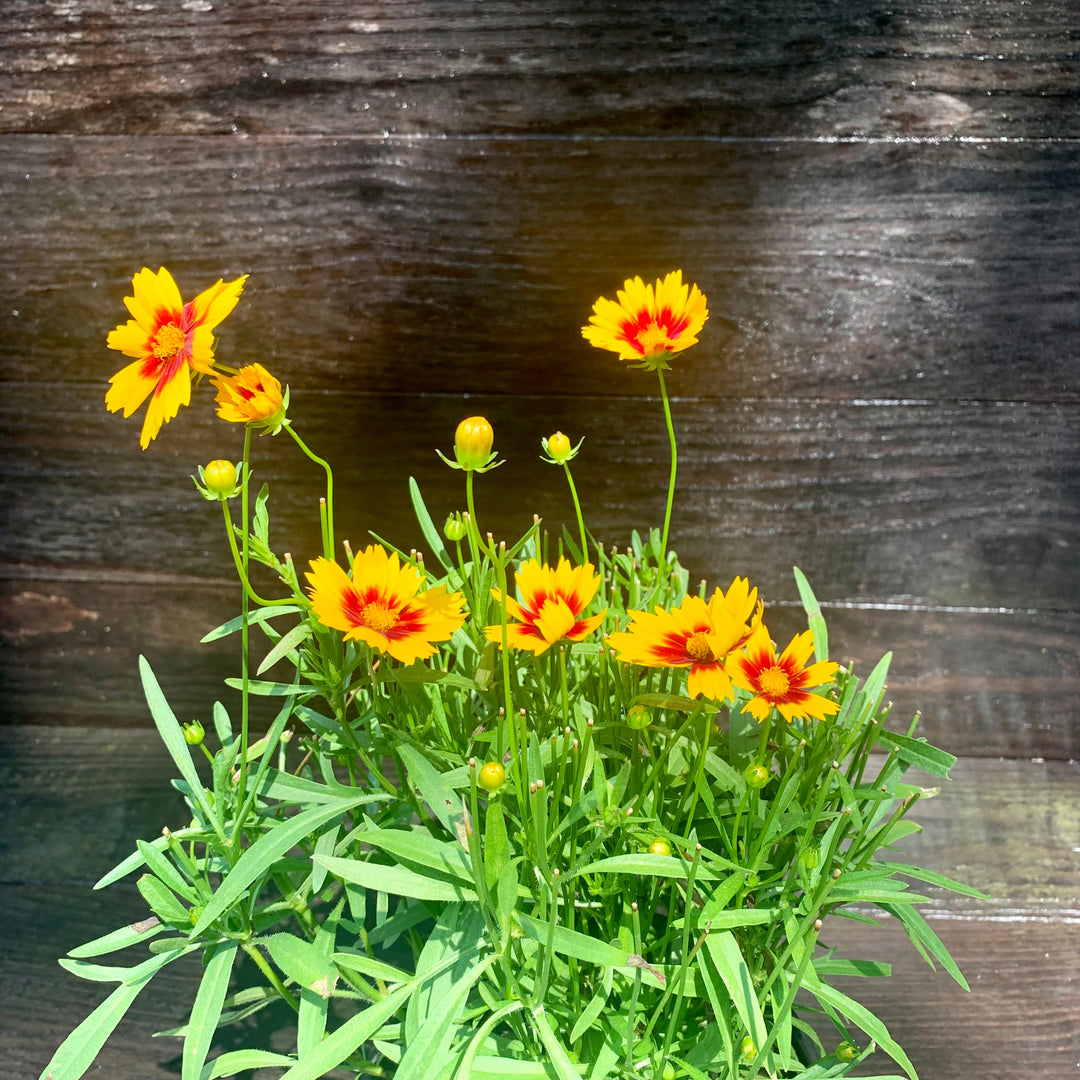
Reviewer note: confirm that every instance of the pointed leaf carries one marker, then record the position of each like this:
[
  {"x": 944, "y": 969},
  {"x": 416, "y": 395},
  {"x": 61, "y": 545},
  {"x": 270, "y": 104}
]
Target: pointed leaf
[{"x": 206, "y": 1011}]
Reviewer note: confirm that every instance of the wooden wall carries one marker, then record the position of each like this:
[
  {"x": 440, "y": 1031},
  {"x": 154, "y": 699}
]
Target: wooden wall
[{"x": 882, "y": 203}]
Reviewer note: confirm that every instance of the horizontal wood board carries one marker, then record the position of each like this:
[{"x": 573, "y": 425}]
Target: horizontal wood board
[
  {"x": 942, "y": 68},
  {"x": 880, "y": 271},
  {"x": 1019, "y": 951}
]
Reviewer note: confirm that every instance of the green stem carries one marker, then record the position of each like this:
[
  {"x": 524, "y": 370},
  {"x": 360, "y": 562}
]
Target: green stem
[
  {"x": 241, "y": 565},
  {"x": 577, "y": 510},
  {"x": 328, "y": 528},
  {"x": 671, "y": 479},
  {"x": 271, "y": 974},
  {"x": 245, "y": 696}
]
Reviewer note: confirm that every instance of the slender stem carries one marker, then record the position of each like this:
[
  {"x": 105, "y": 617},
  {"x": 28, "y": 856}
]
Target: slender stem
[
  {"x": 245, "y": 696},
  {"x": 328, "y": 530},
  {"x": 271, "y": 974},
  {"x": 577, "y": 510},
  {"x": 674, "y": 466},
  {"x": 241, "y": 568}
]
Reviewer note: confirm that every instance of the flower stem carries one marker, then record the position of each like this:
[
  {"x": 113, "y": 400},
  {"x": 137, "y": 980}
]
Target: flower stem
[
  {"x": 577, "y": 509},
  {"x": 674, "y": 466},
  {"x": 328, "y": 525}
]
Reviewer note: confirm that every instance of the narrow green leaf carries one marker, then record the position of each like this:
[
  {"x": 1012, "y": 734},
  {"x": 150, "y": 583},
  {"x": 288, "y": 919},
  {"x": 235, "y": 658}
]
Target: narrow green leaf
[
  {"x": 122, "y": 938},
  {"x": 323, "y": 846},
  {"x": 918, "y": 929},
  {"x": 287, "y": 788},
  {"x": 206, "y": 1011},
  {"x": 875, "y": 683},
  {"x": 396, "y": 880},
  {"x": 872, "y": 969},
  {"x": 173, "y": 737},
  {"x": 157, "y": 862},
  {"x": 375, "y": 969},
  {"x": 465, "y": 1069},
  {"x": 135, "y": 859},
  {"x": 340, "y": 1043},
  {"x": 260, "y": 857},
  {"x": 573, "y": 943},
  {"x": 447, "y": 857},
  {"x": 564, "y": 1067},
  {"x": 258, "y": 616},
  {"x": 430, "y": 786},
  {"x": 918, "y": 753},
  {"x": 238, "y": 1061},
  {"x": 296, "y": 636},
  {"x": 646, "y": 865},
  {"x": 813, "y": 615},
  {"x": 77, "y": 1052},
  {"x": 591, "y": 1011},
  {"x": 301, "y": 960},
  {"x": 222, "y": 724},
  {"x": 427, "y": 527},
  {"x": 724, "y": 952},
  {"x": 161, "y": 901},
  {"x": 261, "y": 688},
  {"x": 931, "y": 877},
  {"x": 672, "y": 702}
]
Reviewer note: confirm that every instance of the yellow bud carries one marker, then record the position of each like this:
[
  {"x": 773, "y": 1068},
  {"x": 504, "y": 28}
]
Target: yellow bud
[
  {"x": 659, "y": 847},
  {"x": 472, "y": 442},
  {"x": 193, "y": 733},
  {"x": 491, "y": 776},
  {"x": 637, "y": 716},
  {"x": 220, "y": 478},
  {"x": 747, "y": 1047},
  {"x": 757, "y": 776},
  {"x": 558, "y": 447},
  {"x": 846, "y": 1051}
]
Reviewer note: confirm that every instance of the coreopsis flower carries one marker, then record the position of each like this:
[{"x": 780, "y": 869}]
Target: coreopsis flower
[
  {"x": 551, "y": 605},
  {"x": 783, "y": 683},
  {"x": 172, "y": 342},
  {"x": 695, "y": 635},
  {"x": 382, "y": 605},
  {"x": 251, "y": 396},
  {"x": 647, "y": 323}
]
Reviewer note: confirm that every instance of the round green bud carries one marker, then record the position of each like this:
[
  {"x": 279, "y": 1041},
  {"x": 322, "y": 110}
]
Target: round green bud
[
  {"x": 659, "y": 847},
  {"x": 193, "y": 733},
  {"x": 455, "y": 528},
  {"x": 810, "y": 857},
  {"x": 747, "y": 1048},
  {"x": 472, "y": 442},
  {"x": 220, "y": 478},
  {"x": 491, "y": 776},
  {"x": 669, "y": 1071},
  {"x": 757, "y": 776},
  {"x": 638, "y": 717},
  {"x": 846, "y": 1051}
]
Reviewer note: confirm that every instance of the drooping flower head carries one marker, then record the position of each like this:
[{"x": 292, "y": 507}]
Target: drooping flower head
[
  {"x": 251, "y": 396},
  {"x": 783, "y": 683},
  {"x": 695, "y": 635},
  {"x": 382, "y": 605},
  {"x": 551, "y": 605},
  {"x": 647, "y": 323},
  {"x": 171, "y": 340}
]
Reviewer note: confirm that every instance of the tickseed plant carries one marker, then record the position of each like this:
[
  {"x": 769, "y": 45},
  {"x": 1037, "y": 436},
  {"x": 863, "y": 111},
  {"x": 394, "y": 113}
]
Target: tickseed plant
[{"x": 523, "y": 809}]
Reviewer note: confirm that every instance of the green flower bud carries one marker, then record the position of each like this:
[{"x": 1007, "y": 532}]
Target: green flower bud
[
  {"x": 491, "y": 776},
  {"x": 757, "y": 776},
  {"x": 659, "y": 847},
  {"x": 747, "y": 1048},
  {"x": 472, "y": 443},
  {"x": 810, "y": 857},
  {"x": 193, "y": 733},
  {"x": 638, "y": 717},
  {"x": 455, "y": 528},
  {"x": 846, "y": 1051},
  {"x": 669, "y": 1071},
  {"x": 220, "y": 478}
]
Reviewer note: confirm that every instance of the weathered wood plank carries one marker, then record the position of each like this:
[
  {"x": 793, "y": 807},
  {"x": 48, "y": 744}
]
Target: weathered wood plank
[
  {"x": 468, "y": 265},
  {"x": 802, "y": 67},
  {"x": 987, "y": 683},
  {"x": 971, "y": 829},
  {"x": 944, "y": 504},
  {"x": 1019, "y": 952}
]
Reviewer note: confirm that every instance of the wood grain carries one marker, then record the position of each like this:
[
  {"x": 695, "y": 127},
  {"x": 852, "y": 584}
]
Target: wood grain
[
  {"x": 468, "y": 265},
  {"x": 1019, "y": 951},
  {"x": 797, "y": 68}
]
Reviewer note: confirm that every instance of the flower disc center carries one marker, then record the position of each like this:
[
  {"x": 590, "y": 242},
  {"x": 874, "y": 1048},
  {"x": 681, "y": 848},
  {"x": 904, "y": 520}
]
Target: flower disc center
[
  {"x": 169, "y": 341},
  {"x": 774, "y": 682},
  {"x": 653, "y": 339},
  {"x": 699, "y": 648},
  {"x": 377, "y": 616}
]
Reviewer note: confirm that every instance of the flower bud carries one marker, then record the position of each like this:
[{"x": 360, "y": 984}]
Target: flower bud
[
  {"x": 220, "y": 478},
  {"x": 637, "y": 716},
  {"x": 472, "y": 443},
  {"x": 757, "y": 776},
  {"x": 491, "y": 776},
  {"x": 846, "y": 1051},
  {"x": 193, "y": 733},
  {"x": 659, "y": 847},
  {"x": 669, "y": 1071},
  {"x": 455, "y": 528},
  {"x": 810, "y": 857},
  {"x": 747, "y": 1048}
]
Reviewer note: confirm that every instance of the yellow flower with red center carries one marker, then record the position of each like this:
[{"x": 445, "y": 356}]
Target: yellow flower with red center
[
  {"x": 172, "y": 342},
  {"x": 550, "y": 607},
  {"x": 251, "y": 396},
  {"x": 695, "y": 635},
  {"x": 647, "y": 323},
  {"x": 783, "y": 683},
  {"x": 381, "y": 604}
]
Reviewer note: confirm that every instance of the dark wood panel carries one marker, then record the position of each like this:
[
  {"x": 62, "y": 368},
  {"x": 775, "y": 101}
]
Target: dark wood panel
[
  {"x": 469, "y": 265},
  {"x": 800, "y": 67},
  {"x": 971, "y": 828},
  {"x": 946, "y": 504}
]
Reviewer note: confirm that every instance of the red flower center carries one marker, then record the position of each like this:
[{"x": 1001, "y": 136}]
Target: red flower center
[
  {"x": 170, "y": 339},
  {"x": 773, "y": 682},
  {"x": 699, "y": 648},
  {"x": 377, "y": 616}
]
